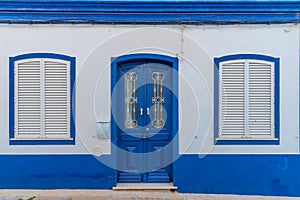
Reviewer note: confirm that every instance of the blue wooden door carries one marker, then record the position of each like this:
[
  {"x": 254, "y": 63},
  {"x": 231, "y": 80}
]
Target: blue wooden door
[{"x": 144, "y": 121}]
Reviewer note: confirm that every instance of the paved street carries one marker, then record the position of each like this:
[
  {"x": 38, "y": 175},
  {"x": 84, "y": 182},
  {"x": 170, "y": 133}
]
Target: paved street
[{"x": 120, "y": 195}]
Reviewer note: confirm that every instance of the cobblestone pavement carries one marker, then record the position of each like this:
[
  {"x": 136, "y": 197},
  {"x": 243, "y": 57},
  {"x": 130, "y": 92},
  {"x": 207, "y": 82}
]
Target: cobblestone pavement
[{"x": 120, "y": 195}]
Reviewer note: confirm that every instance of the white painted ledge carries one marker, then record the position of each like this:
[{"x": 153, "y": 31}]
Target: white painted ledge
[{"x": 145, "y": 186}]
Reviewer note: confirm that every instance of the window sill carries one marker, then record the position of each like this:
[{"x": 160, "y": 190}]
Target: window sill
[
  {"x": 42, "y": 141},
  {"x": 247, "y": 141}
]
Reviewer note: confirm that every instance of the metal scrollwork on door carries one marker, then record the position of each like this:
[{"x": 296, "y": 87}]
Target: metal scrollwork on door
[
  {"x": 158, "y": 100},
  {"x": 131, "y": 100}
]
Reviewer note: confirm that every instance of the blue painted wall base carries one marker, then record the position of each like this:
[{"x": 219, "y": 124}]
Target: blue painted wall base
[
  {"x": 276, "y": 175},
  {"x": 55, "y": 172}
]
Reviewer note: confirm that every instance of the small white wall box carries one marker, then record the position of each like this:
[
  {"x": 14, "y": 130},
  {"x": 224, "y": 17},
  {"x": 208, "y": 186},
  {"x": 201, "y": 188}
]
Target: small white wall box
[{"x": 103, "y": 130}]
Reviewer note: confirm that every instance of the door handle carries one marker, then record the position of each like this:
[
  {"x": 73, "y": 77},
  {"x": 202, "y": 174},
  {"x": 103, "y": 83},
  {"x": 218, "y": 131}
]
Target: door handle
[
  {"x": 141, "y": 111},
  {"x": 148, "y": 111}
]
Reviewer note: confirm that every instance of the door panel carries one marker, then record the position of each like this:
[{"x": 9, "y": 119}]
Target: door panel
[{"x": 145, "y": 121}]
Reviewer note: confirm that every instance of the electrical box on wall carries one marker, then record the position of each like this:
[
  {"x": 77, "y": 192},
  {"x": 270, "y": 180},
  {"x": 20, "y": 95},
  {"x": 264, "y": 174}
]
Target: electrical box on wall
[{"x": 103, "y": 129}]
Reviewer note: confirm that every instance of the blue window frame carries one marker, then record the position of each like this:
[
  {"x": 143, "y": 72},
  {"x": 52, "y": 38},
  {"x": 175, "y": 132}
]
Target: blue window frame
[
  {"x": 41, "y": 99},
  {"x": 246, "y": 99}
]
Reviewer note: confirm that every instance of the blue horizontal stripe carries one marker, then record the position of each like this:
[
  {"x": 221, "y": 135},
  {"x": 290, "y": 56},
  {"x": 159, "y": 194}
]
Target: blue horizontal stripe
[
  {"x": 81, "y": 11},
  {"x": 55, "y": 172},
  {"x": 148, "y": 19},
  {"x": 274, "y": 175},
  {"x": 150, "y": 7}
]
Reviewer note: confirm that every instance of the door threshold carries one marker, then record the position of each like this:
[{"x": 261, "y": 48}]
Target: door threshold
[{"x": 145, "y": 186}]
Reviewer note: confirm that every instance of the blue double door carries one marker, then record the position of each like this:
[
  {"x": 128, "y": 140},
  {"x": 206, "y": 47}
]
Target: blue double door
[{"x": 144, "y": 119}]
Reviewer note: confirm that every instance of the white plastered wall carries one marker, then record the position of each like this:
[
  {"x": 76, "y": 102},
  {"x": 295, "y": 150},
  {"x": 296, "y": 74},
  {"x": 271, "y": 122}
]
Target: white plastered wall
[
  {"x": 195, "y": 46},
  {"x": 280, "y": 41}
]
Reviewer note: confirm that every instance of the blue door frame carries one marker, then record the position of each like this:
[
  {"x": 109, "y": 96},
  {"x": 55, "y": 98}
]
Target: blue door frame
[{"x": 133, "y": 139}]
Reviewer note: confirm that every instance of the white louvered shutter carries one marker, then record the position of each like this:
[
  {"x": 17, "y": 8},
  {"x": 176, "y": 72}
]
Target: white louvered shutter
[
  {"x": 57, "y": 98},
  {"x": 246, "y": 99},
  {"x": 27, "y": 99},
  {"x": 42, "y": 99},
  {"x": 231, "y": 100},
  {"x": 261, "y": 99}
]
